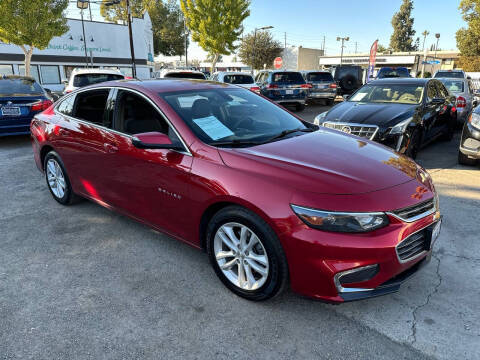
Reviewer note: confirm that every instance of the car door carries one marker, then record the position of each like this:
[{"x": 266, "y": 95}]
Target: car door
[
  {"x": 444, "y": 113},
  {"x": 80, "y": 141},
  {"x": 431, "y": 111},
  {"x": 149, "y": 184}
]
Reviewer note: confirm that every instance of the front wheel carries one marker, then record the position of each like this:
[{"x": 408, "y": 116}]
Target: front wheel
[
  {"x": 414, "y": 144},
  {"x": 246, "y": 254}
]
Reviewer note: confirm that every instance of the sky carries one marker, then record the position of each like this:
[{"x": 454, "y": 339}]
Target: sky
[{"x": 306, "y": 22}]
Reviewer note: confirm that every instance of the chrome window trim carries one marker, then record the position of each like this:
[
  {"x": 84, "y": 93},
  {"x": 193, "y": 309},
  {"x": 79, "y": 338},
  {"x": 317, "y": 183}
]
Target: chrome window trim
[
  {"x": 186, "y": 152},
  {"x": 352, "y": 124},
  {"x": 419, "y": 254}
]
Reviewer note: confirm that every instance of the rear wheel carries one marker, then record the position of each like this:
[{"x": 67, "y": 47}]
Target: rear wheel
[
  {"x": 57, "y": 179},
  {"x": 414, "y": 144},
  {"x": 246, "y": 254},
  {"x": 465, "y": 160}
]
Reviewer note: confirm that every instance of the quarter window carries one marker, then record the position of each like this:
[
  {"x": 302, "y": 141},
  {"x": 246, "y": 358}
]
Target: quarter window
[
  {"x": 90, "y": 105},
  {"x": 66, "y": 106}
]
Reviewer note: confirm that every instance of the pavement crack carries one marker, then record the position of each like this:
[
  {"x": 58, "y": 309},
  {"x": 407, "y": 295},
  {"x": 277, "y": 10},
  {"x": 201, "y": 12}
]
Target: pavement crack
[
  {"x": 463, "y": 257},
  {"x": 427, "y": 301}
]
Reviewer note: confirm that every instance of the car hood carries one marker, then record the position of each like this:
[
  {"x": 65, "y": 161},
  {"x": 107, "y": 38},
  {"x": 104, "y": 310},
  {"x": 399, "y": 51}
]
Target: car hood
[
  {"x": 325, "y": 162},
  {"x": 382, "y": 115}
]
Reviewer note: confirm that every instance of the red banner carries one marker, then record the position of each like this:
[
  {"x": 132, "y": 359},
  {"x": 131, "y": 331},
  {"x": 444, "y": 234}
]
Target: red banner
[{"x": 372, "y": 61}]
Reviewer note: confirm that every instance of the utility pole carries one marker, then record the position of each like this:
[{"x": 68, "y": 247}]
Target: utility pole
[
  {"x": 342, "y": 39},
  {"x": 285, "y": 40},
  {"x": 132, "y": 50},
  {"x": 323, "y": 45},
  {"x": 82, "y": 5},
  {"x": 356, "y": 45},
  {"x": 186, "y": 42}
]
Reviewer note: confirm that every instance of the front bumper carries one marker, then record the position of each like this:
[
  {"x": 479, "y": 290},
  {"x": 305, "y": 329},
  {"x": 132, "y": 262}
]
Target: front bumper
[{"x": 470, "y": 142}]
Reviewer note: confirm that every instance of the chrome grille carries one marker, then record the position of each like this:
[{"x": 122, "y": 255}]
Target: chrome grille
[
  {"x": 413, "y": 246},
  {"x": 417, "y": 211},
  {"x": 362, "y": 130}
]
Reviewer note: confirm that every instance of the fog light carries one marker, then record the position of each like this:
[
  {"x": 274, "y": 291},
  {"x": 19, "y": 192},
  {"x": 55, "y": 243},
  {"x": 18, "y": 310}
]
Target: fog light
[{"x": 356, "y": 275}]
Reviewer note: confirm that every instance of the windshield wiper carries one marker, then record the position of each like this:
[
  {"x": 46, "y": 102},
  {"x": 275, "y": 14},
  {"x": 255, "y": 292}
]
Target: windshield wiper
[
  {"x": 236, "y": 143},
  {"x": 288, "y": 132}
]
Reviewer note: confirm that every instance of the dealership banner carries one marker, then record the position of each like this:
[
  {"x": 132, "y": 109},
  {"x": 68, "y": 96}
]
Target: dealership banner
[{"x": 371, "y": 62}]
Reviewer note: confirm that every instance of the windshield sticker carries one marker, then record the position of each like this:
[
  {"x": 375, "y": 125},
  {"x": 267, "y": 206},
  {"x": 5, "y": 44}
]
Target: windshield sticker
[{"x": 213, "y": 127}]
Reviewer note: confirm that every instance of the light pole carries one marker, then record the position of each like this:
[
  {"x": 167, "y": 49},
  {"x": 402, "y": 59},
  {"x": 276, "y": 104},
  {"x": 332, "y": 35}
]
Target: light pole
[
  {"x": 425, "y": 34},
  {"x": 129, "y": 22},
  {"x": 82, "y": 5},
  {"x": 342, "y": 39},
  {"x": 186, "y": 42},
  {"x": 254, "y": 44}
]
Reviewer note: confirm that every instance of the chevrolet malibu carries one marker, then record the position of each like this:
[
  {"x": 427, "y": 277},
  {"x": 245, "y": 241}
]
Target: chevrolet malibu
[{"x": 273, "y": 200}]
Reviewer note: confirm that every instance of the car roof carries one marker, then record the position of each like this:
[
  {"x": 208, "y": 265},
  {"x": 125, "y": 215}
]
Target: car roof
[
  {"x": 315, "y": 71},
  {"x": 414, "y": 81},
  {"x": 233, "y": 73},
  {"x": 186, "y": 71},
  {"x": 78, "y": 71}
]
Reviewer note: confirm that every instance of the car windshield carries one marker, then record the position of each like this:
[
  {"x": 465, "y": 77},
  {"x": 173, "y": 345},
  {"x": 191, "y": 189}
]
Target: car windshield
[
  {"x": 238, "y": 79},
  {"x": 288, "y": 78},
  {"x": 393, "y": 73},
  {"x": 185, "y": 75},
  {"x": 454, "y": 86},
  {"x": 319, "y": 76},
  {"x": 449, "y": 74},
  {"x": 231, "y": 117},
  {"x": 20, "y": 86},
  {"x": 389, "y": 93},
  {"x": 82, "y": 80}
]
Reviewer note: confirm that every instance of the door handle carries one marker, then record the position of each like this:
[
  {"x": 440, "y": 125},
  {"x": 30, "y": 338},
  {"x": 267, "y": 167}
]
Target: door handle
[{"x": 109, "y": 148}]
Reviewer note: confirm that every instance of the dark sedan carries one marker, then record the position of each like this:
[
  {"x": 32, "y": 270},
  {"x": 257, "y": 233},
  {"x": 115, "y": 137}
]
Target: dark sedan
[
  {"x": 469, "y": 151},
  {"x": 404, "y": 114},
  {"x": 20, "y": 99}
]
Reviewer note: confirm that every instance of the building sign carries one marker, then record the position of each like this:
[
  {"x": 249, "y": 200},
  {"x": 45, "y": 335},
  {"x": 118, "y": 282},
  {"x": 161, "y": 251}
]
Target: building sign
[{"x": 363, "y": 60}]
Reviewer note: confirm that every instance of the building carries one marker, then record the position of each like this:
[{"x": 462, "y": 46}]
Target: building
[
  {"x": 411, "y": 60},
  {"x": 300, "y": 58},
  {"x": 108, "y": 46}
]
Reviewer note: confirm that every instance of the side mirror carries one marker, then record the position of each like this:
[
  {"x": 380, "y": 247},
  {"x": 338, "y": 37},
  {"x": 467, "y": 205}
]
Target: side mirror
[
  {"x": 346, "y": 97},
  {"x": 154, "y": 140}
]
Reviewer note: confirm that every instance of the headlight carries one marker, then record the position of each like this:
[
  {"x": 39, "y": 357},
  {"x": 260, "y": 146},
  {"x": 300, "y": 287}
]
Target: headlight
[
  {"x": 319, "y": 118},
  {"x": 340, "y": 221},
  {"x": 400, "y": 127},
  {"x": 474, "y": 120}
]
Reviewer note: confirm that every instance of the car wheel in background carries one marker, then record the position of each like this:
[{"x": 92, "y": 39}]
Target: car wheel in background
[
  {"x": 57, "y": 179},
  {"x": 246, "y": 254},
  {"x": 329, "y": 102},
  {"x": 465, "y": 160},
  {"x": 300, "y": 107},
  {"x": 414, "y": 144},
  {"x": 449, "y": 132}
]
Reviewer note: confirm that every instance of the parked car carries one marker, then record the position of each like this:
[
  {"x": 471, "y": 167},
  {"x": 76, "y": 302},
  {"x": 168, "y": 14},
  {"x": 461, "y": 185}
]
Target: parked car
[
  {"x": 21, "y": 98},
  {"x": 269, "y": 197},
  {"x": 348, "y": 78},
  {"x": 469, "y": 151},
  {"x": 182, "y": 74},
  {"x": 237, "y": 78},
  {"x": 82, "y": 77},
  {"x": 322, "y": 85},
  {"x": 404, "y": 114},
  {"x": 457, "y": 74},
  {"x": 393, "y": 72},
  {"x": 284, "y": 87},
  {"x": 462, "y": 90}
]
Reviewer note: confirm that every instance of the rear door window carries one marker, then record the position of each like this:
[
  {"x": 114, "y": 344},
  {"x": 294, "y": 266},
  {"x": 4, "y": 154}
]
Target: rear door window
[
  {"x": 288, "y": 78},
  {"x": 238, "y": 79},
  {"x": 319, "y": 77},
  {"x": 90, "y": 105}
]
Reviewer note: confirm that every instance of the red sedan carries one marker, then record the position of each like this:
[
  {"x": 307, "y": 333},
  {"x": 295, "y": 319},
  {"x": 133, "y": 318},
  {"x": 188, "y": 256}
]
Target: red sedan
[{"x": 272, "y": 199}]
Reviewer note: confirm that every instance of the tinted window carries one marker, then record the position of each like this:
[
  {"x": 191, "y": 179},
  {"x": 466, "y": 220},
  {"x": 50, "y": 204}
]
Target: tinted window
[
  {"x": 392, "y": 73},
  {"x": 389, "y": 93},
  {"x": 454, "y": 86},
  {"x": 82, "y": 80},
  {"x": 449, "y": 74},
  {"x": 19, "y": 86},
  {"x": 319, "y": 76},
  {"x": 185, "y": 75},
  {"x": 90, "y": 105},
  {"x": 288, "y": 78},
  {"x": 66, "y": 106},
  {"x": 238, "y": 79},
  {"x": 226, "y": 115}
]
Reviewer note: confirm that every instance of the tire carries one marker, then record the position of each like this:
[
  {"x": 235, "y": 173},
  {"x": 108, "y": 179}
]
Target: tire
[
  {"x": 329, "y": 102},
  {"x": 465, "y": 160},
  {"x": 54, "y": 173},
  {"x": 414, "y": 145},
  {"x": 265, "y": 254},
  {"x": 448, "y": 134},
  {"x": 348, "y": 83},
  {"x": 299, "y": 107}
]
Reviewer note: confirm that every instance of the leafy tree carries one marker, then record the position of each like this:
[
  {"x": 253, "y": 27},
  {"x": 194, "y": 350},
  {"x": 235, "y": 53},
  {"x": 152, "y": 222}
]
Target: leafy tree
[
  {"x": 215, "y": 25},
  {"x": 168, "y": 28},
  {"x": 118, "y": 12},
  {"x": 468, "y": 40},
  {"x": 31, "y": 24},
  {"x": 259, "y": 50},
  {"x": 416, "y": 46},
  {"x": 210, "y": 58},
  {"x": 469, "y": 63},
  {"x": 381, "y": 48},
  {"x": 402, "y": 37}
]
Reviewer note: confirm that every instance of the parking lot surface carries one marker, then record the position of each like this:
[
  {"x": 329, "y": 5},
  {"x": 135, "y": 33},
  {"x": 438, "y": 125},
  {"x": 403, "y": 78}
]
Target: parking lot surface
[{"x": 84, "y": 282}]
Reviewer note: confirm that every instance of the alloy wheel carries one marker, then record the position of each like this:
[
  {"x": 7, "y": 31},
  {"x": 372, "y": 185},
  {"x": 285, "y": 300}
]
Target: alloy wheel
[
  {"x": 241, "y": 256},
  {"x": 56, "y": 178}
]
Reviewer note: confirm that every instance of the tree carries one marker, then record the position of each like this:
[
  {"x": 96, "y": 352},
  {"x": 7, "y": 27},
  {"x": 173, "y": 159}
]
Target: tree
[
  {"x": 468, "y": 40},
  {"x": 168, "y": 28},
  {"x": 118, "y": 12},
  {"x": 402, "y": 37},
  {"x": 381, "y": 48},
  {"x": 215, "y": 25},
  {"x": 469, "y": 63},
  {"x": 416, "y": 46},
  {"x": 259, "y": 50},
  {"x": 31, "y": 24}
]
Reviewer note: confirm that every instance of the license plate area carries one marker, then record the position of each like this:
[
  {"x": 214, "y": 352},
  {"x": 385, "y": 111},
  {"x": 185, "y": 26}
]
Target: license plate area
[
  {"x": 10, "y": 110},
  {"x": 288, "y": 92}
]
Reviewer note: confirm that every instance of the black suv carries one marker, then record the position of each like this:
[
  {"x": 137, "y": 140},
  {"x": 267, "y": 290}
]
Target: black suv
[{"x": 348, "y": 78}]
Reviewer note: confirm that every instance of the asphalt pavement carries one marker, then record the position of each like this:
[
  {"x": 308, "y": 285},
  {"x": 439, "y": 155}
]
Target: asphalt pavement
[{"x": 82, "y": 282}]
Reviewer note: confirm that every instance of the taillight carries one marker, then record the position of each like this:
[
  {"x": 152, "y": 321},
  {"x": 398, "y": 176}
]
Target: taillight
[
  {"x": 306, "y": 86},
  {"x": 272, "y": 86},
  {"x": 255, "y": 89},
  {"x": 41, "y": 105},
  {"x": 332, "y": 86},
  {"x": 461, "y": 102},
  {"x": 68, "y": 91}
]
